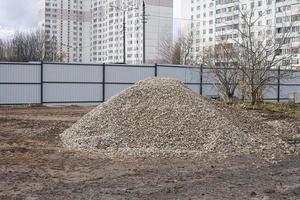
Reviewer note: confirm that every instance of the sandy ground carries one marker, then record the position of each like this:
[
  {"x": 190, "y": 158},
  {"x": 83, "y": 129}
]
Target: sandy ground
[{"x": 34, "y": 165}]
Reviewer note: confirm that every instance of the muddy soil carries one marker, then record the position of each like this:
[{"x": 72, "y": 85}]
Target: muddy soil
[{"x": 34, "y": 165}]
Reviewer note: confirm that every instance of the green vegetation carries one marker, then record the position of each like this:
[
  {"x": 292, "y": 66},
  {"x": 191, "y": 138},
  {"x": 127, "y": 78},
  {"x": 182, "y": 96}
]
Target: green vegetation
[{"x": 274, "y": 107}]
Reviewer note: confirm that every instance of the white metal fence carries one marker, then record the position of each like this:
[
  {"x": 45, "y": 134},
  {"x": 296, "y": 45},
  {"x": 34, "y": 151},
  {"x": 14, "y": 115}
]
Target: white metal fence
[{"x": 60, "y": 83}]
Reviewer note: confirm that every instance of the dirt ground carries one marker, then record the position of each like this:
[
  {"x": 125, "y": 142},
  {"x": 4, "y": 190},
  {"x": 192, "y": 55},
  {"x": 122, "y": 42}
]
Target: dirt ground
[{"x": 34, "y": 165}]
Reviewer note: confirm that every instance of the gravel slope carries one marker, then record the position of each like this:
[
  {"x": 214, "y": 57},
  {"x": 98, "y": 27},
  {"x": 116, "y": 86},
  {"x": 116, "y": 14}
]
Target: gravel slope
[{"x": 162, "y": 116}]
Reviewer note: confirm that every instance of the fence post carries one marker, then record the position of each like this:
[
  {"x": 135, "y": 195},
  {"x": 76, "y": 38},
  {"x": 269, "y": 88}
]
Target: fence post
[
  {"x": 155, "y": 70},
  {"x": 278, "y": 84},
  {"x": 201, "y": 79},
  {"x": 103, "y": 82},
  {"x": 42, "y": 81}
]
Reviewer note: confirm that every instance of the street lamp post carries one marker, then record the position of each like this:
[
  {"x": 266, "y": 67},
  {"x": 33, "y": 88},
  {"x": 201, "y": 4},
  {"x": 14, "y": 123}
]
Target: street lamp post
[
  {"x": 124, "y": 9},
  {"x": 124, "y": 37},
  {"x": 144, "y": 32},
  {"x": 124, "y": 29}
]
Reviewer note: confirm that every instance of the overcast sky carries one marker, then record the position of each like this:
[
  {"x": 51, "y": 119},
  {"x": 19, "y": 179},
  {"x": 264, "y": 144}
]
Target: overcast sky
[
  {"x": 17, "y": 15},
  {"x": 22, "y": 15}
]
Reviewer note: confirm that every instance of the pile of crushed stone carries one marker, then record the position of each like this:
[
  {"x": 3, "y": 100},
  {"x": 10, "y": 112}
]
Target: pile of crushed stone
[{"x": 162, "y": 116}]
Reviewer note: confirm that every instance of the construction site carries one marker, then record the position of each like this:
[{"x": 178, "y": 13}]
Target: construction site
[
  {"x": 155, "y": 140},
  {"x": 149, "y": 99}
]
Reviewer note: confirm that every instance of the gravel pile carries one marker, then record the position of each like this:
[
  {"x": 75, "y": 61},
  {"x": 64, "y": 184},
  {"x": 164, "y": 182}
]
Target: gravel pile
[{"x": 161, "y": 116}]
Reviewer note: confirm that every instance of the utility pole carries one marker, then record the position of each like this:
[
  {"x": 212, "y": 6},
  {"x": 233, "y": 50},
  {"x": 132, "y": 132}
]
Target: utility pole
[
  {"x": 124, "y": 37},
  {"x": 144, "y": 33},
  {"x": 123, "y": 8}
]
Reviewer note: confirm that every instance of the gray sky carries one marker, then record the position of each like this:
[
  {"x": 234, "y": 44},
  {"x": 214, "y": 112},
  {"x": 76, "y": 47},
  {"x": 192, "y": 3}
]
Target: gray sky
[
  {"x": 22, "y": 15},
  {"x": 19, "y": 15}
]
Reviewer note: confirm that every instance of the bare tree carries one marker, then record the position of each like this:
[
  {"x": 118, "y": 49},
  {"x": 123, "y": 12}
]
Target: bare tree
[
  {"x": 176, "y": 55},
  {"x": 2, "y": 50},
  {"x": 178, "y": 52},
  {"x": 252, "y": 57},
  {"x": 259, "y": 54},
  {"x": 186, "y": 42},
  {"x": 34, "y": 46},
  {"x": 50, "y": 47},
  {"x": 220, "y": 60},
  {"x": 6, "y": 52},
  {"x": 166, "y": 51}
]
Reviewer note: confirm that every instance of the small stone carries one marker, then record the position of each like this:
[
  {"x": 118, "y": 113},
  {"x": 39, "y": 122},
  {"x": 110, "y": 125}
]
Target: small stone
[
  {"x": 253, "y": 193},
  {"x": 269, "y": 191}
]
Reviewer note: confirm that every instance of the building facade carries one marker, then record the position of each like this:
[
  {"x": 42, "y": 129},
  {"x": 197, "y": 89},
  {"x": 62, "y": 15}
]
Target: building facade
[
  {"x": 216, "y": 21},
  {"x": 202, "y": 24},
  {"x": 68, "y": 23},
  {"x": 182, "y": 20},
  {"x": 92, "y": 30}
]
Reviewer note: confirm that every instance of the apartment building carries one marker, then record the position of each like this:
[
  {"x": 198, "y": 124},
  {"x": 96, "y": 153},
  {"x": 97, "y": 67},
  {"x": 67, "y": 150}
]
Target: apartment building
[
  {"x": 92, "y": 30},
  {"x": 67, "y": 22},
  {"x": 214, "y": 21},
  {"x": 287, "y": 19},
  {"x": 183, "y": 20},
  {"x": 202, "y": 24}
]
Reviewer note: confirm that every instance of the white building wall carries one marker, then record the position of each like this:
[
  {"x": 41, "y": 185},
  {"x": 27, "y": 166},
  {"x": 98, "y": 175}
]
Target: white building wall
[
  {"x": 67, "y": 22},
  {"x": 203, "y": 24},
  {"x": 159, "y": 27},
  {"x": 185, "y": 22},
  {"x": 288, "y": 17},
  {"x": 92, "y": 30},
  {"x": 217, "y": 21}
]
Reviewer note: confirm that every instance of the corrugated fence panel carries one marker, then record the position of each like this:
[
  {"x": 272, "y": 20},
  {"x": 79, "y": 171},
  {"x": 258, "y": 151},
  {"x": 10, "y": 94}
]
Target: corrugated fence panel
[
  {"x": 113, "y": 89},
  {"x": 195, "y": 88},
  {"x": 270, "y": 93},
  {"x": 208, "y": 76},
  {"x": 20, "y": 73},
  {"x": 19, "y": 94},
  {"x": 287, "y": 91},
  {"x": 184, "y": 74},
  {"x": 57, "y": 92},
  {"x": 123, "y": 74},
  {"x": 72, "y": 83},
  {"x": 20, "y": 83},
  {"x": 290, "y": 85},
  {"x": 210, "y": 90},
  {"x": 292, "y": 78},
  {"x": 72, "y": 73},
  {"x": 237, "y": 92}
]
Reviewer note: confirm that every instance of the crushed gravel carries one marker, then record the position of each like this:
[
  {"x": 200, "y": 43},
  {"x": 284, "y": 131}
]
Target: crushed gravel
[{"x": 162, "y": 116}]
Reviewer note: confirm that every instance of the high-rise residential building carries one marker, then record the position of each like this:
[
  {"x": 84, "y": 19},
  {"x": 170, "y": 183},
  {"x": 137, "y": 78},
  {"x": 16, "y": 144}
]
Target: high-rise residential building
[
  {"x": 287, "y": 19},
  {"x": 215, "y": 21},
  {"x": 68, "y": 23},
  {"x": 92, "y": 30},
  {"x": 202, "y": 24},
  {"x": 182, "y": 19}
]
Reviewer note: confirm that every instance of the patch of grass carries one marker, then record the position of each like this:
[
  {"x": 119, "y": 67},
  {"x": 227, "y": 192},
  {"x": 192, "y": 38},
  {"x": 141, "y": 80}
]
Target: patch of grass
[{"x": 287, "y": 108}]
